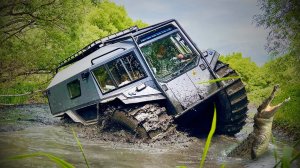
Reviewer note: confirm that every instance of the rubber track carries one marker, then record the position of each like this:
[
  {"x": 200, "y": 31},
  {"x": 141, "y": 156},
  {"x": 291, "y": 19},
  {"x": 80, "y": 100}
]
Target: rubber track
[
  {"x": 148, "y": 121},
  {"x": 238, "y": 101}
]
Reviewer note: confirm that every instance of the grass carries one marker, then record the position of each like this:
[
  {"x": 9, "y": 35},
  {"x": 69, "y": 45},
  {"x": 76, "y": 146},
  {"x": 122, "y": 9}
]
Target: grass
[
  {"x": 219, "y": 80},
  {"x": 288, "y": 117},
  {"x": 80, "y": 148},
  {"x": 275, "y": 153},
  {"x": 209, "y": 137},
  {"x": 289, "y": 156},
  {"x": 60, "y": 162},
  {"x": 23, "y": 85}
]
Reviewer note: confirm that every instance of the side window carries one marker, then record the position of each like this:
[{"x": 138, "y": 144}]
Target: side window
[
  {"x": 104, "y": 79},
  {"x": 74, "y": 89},
  {"x": 119, "y": 72},
  {"x": 134, "y": 67}
]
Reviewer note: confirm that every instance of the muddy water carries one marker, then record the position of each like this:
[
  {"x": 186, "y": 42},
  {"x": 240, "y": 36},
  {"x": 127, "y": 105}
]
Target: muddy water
[{"x": 31, "y": 129}]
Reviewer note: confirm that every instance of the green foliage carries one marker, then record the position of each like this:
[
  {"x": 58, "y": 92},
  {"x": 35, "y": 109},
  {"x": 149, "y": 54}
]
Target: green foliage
[
  {"x": 282, "y": 19},
  {"x": 285, "y": 71},
  {"x": 260, "y": 81},
  {"x": 80, "y": 148},
  {"x": 59, "y": 29},
  {"x": 248, "y": 70},
  {"x": 223, "y": 165},
  {"x": 41, "y": 44},
  {"x": 23, "y": 85},
  {"x": 290, "y": 154},
  {"x": 60, "y": 162},
  {"x": 287, "y": 154},
  {"x": 275, "y": 153},
  {"x": 208, "y": 140},
  {"x": 103, "y": 19},
  {"x": 219, "y": 80},
  {"x": 68, "y": 26}
]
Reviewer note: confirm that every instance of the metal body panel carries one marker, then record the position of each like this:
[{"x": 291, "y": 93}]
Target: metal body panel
[
  {"x": 130, "y": 94},
  {"x": 77, "y": 118},
  {"x": 188, "y": 89},
  {"x": 211, "y": 57},
  {"x": 197, "y": 75},
  {"x": 60, "y": 100},
  {"x": 174, "y": 101},
  {"x": 85, "y": 63},
  {"x": 184, "y": 90}
]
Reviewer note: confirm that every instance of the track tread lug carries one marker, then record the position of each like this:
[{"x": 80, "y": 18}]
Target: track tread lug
[{"x": 234, "y": 121}]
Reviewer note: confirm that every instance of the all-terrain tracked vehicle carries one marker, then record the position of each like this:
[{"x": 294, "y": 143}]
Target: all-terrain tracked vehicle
[{"x": 146, "y": 79}]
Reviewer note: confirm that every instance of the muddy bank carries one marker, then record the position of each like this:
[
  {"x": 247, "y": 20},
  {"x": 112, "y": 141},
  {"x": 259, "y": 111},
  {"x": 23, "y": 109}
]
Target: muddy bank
[{"x": 31, "y": 128}]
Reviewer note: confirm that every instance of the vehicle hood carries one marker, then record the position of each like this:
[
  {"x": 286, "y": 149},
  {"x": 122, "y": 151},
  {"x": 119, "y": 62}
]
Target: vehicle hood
[{"x": 190, "y": 87}]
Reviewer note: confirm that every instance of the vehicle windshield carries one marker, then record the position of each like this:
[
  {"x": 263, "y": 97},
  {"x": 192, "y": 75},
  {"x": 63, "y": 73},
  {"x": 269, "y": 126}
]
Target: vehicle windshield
[{"x": 169, "y": 56}]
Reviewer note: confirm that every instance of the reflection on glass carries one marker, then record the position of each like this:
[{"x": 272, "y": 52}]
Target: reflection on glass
[
  {"x": 74, "y": 89},
  {"x": 169, "y": 55},
  {"x": 119, "y": 72},
  {"x": 105, "y": 81}
]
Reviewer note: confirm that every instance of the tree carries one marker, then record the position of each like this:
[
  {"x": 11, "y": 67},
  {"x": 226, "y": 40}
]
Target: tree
[
  {"x": 33, "y": 33},
  {"x": 19, "y": 16},
  {"x": 282, "y": 18},
  {"x": 36, "y": 35}
]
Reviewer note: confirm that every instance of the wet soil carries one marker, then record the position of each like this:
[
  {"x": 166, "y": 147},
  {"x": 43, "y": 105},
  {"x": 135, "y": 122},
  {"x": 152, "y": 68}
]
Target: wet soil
[{"x": 31, "y": 128}]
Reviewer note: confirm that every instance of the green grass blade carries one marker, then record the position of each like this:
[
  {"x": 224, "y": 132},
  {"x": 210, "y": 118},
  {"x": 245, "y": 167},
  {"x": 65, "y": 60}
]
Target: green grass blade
[
  {"x": 295, "y": 157},
  {"x": 80, "y": 147},
  {"x": 275, "y": 150},
  {"x": 223, "y": 165},
  {"x": 53, "y": 158},
  {"x": 211, "y": 133},
  {"x": 287, "y": 154},
  {"x": 219, "y": 79},
  {"x": 277, "y": 164},
  {"x": 295, "y": 145}
]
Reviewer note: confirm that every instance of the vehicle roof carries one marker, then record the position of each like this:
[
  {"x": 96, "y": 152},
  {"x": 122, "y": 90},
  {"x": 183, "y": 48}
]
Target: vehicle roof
[{"x": 85, "y": 63}]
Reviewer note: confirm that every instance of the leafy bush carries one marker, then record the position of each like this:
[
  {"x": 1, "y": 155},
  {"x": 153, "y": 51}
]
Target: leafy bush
[{"x": 260, "y": 81}]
